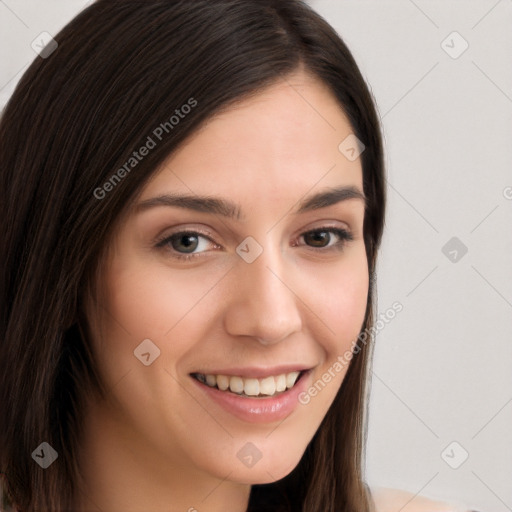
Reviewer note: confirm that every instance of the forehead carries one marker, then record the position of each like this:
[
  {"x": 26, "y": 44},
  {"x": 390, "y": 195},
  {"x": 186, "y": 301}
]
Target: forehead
[{"x": 281, "y": 142}]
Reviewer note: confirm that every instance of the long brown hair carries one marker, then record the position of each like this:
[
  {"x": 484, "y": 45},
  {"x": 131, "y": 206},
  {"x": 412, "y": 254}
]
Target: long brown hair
[{"x": 121, "y": 69}]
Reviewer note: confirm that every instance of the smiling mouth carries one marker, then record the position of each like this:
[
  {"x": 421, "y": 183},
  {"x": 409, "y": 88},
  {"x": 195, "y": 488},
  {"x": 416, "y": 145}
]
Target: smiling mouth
[{"x": 250, "y": 387}]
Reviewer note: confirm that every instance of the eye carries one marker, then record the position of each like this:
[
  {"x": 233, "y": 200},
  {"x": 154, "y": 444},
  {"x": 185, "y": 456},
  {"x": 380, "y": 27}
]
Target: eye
[
  {"x": 327, "y": 238},
  {"x": 186, "y": 244}
]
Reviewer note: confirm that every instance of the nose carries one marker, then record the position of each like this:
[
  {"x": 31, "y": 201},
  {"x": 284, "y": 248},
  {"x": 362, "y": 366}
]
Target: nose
[{"x": 262, "y": 304}]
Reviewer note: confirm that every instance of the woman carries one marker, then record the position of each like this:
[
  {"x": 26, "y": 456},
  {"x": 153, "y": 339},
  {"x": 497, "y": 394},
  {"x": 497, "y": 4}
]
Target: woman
[{"x": 194, "y": 199}]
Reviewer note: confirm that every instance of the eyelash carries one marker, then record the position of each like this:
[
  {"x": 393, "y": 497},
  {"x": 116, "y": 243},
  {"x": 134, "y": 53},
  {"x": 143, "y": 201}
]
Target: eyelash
[{"x": 344, "y": 236}]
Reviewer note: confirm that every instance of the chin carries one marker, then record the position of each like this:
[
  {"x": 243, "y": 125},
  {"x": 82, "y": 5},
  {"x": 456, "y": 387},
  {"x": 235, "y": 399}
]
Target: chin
[{"x": 272, "y": 466}]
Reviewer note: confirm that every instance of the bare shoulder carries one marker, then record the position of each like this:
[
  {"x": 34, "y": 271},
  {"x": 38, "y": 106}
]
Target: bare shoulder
[{"x": 394, "y": 500}]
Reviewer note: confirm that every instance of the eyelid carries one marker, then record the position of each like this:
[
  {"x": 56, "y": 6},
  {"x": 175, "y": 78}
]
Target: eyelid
[
  {"x": 162, "y": 239},
  {"x": 324, "y": 224},
  {"x": 162, "y": 242},
  {"x": 345, "y": 236}
]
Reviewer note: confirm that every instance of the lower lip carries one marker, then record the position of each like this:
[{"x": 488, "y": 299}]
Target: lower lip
[{"x": 258, "y": 410}]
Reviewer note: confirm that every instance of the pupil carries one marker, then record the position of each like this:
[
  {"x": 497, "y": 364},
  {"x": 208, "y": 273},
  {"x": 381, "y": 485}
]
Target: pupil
[
  {"x": 185, "y": 243},
  {"x": 317, "y": 238}
]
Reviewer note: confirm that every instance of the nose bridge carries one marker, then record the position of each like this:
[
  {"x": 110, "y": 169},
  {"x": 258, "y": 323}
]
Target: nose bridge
[{"x": 264, "y": 305}]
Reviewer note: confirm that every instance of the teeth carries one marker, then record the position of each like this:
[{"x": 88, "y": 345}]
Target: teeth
[
  {"x": 201, "y": 378},
  {"x": 236, "y": 384},
  {"x": 291, "y": 378},
  {"x": 252, "y": 387},
  {"x": 281, "y": 383},
  {"x": 222, "y": 382},
  {"x": 268, "y": 386}
]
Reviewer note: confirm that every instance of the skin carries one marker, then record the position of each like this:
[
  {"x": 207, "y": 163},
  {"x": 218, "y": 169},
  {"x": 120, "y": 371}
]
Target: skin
[
  {"x": 393, "y": 500},
  {"x": 158, "y": 443}
]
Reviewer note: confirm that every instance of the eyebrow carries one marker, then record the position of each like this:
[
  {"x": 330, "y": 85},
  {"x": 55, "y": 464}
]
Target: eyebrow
[{"x": 229, "y": 209}]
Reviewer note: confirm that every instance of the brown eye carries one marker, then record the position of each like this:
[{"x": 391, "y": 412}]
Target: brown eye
[
  {"x": 184, "y": 242},
  {"x": 317, "y": 238},
  {"x": 328, "y": 238}
]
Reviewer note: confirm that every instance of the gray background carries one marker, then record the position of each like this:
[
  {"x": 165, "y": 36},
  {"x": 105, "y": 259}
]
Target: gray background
[{"x": 442, "y": 370}]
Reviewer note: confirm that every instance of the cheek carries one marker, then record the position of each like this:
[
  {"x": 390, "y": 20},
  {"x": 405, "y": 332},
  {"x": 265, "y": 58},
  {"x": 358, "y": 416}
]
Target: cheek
[
  {"x": 341, "y": 303},
  {"x": 339, "y": 297},
  {"x": 144, "y": 300},
  {"x": 155, "y": 300}
]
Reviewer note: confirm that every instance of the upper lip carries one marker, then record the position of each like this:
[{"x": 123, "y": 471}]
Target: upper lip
[{"x": 257, "y": 372}]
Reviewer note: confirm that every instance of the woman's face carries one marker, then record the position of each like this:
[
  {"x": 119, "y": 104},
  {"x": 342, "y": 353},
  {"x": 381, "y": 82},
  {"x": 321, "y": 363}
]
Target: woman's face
[{"x": 243, "y": 263}]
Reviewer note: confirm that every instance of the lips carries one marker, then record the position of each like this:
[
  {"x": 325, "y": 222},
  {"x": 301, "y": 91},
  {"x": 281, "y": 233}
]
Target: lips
[{"x": 255, "y": 395}]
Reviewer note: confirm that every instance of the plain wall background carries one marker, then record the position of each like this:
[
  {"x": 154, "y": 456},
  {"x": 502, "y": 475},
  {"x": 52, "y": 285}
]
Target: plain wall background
[{"x": 442, "y": 367}]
